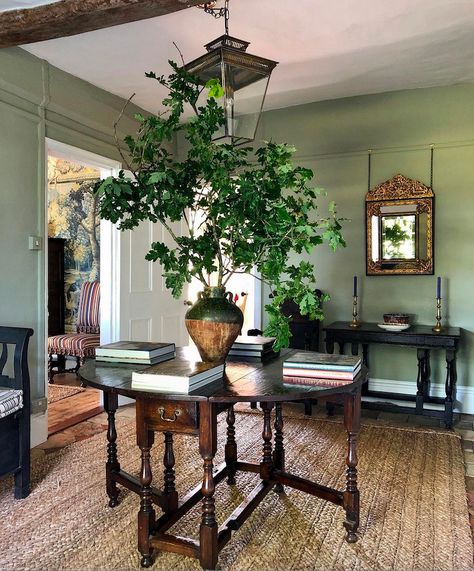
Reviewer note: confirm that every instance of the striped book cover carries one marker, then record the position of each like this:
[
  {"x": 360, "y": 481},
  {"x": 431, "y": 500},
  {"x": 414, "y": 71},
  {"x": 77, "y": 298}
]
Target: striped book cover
[
  {"x": 314, "y": 382},
  {"x": 320, "y": 373}
]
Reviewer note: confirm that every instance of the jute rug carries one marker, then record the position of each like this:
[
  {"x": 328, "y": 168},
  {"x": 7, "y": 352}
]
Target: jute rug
[
  {"x": 60, "y": 392},
  {"x": 413, "y": 505}
]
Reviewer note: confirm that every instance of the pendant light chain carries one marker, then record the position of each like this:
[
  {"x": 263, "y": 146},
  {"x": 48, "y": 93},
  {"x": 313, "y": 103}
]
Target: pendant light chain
[
  {"x": 209, "y": 8},
  {"x": 226, "y": 17}
]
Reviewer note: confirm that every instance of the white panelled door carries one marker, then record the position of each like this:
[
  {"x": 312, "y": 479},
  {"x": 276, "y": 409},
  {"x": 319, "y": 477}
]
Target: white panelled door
[{"x": 148, "y": 312}]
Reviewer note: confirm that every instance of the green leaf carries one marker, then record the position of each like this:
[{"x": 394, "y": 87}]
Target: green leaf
[{"x": 214, "y": 88}]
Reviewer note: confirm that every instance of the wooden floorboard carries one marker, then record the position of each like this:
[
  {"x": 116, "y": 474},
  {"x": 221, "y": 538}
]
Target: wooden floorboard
[{"x": 74, "y": 409}]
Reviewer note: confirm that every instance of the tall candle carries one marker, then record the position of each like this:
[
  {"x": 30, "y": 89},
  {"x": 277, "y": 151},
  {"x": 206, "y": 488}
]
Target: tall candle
[
  {"x": 438, "y": 288},
  {"x": 355, "y": 286}
]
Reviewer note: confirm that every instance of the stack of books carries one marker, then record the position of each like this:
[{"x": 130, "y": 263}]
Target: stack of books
[
  {"x": 321, "y": 369},
  {"x": 252, "y": 348},
  {"x": 181, "y": 375},
  {"x": 135, "y": 352}
]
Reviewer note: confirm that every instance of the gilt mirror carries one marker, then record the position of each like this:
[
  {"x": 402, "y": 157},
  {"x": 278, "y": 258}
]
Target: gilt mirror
[{"x": 399, "y": 217}]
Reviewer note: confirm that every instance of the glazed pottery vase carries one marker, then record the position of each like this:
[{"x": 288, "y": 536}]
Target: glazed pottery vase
[{"x": 214, "y": 322}]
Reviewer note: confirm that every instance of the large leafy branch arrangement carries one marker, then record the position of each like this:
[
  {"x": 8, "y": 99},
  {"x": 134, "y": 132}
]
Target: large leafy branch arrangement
[{"x": 246, "y": 210}]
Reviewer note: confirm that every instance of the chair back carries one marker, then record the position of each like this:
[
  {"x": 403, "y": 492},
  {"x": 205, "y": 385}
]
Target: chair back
[
  {"x": 88, "y": 313},
  {"x": 18, "y": 338}
]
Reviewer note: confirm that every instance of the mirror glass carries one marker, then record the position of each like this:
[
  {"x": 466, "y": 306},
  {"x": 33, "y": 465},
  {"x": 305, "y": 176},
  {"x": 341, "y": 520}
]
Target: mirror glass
[{"x": 400, "y": 228}]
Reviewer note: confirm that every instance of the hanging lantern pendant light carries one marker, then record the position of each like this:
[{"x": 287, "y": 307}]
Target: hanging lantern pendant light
[{"x": 244, "y": 78}]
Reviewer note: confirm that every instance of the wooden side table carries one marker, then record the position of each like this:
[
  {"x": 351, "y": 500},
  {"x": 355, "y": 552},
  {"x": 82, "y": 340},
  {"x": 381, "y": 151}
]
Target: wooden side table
[
  {"x": 196, "y": 414},
  {"x": 421, "y": 337}
]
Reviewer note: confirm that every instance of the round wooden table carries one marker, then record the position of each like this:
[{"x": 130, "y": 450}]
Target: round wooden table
[{"x": 196, "y": 414}]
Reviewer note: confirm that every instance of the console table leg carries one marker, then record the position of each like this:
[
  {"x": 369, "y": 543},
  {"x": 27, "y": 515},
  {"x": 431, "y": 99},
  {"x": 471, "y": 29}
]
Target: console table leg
[
  {"x": 279, "y": 451},
  {"x": 267, "y": 462},
  {"x": 351, "y": 493},
  {"x": 451, "y": 377},
  {"x": 329, "y": 343},
  {"x": 231, "y": 447},
  {"x": 420, "y": 380},
  {"x": 169, "y": 489},
  {"x": 365, "y": 361},
  {"x": 146, "y": 514},
  {"x": 207, "y": 448},
  {"x": 112, "y": 466}
]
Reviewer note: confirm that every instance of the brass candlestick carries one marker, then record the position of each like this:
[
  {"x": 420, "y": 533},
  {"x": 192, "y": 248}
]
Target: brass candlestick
[
  {"x": 355, "y": 322},
  {"x": 438, "y": 327}
]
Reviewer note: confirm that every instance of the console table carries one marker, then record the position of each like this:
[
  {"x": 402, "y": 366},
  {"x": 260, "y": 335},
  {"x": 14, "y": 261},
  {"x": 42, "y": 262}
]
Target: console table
[
  {"x": 424, "y": 339},
  {"x": 196, "y": 414}
]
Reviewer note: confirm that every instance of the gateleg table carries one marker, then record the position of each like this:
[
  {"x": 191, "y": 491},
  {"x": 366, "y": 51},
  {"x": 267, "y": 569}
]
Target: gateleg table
[{"x": 196, "y": 414}]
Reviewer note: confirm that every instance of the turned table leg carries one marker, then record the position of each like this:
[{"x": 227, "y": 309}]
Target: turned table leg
[
  {"x": 451, "y": 377},
  {"x": 422, "y": 378},
  {"x": 351, "y": 493},
  {"x": 146, "y": 514},
  {"x": 279, "y": 450},
  {"x": 169, "y": 490},
  {"x": 231, "y": 446},
  {"x": 112, "y": 466},
  {"x": 266, "y": 464},
  {"x": 207, "y": 448}
]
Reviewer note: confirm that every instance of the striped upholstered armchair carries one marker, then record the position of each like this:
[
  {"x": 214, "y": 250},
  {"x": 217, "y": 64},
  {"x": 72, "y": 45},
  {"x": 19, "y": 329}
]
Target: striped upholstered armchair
[{"x": 83, "y": 343}]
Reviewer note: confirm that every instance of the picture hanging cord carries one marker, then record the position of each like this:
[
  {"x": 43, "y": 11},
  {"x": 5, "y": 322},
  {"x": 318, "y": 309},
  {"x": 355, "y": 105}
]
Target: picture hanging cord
[
  {"x": 368, "y": 169},
  {"x": 369, "y": 166},
  {"x": 431, "y": 166}
]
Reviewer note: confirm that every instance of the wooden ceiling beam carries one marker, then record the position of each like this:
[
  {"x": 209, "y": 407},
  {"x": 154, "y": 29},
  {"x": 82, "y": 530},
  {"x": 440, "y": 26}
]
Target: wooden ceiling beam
[{"x": 71, "y": 17}]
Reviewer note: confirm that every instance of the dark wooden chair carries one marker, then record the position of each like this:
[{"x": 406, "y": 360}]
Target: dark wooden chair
[
  {"x": 15, "y": 407},
  {"x": 83, "y": 343}
]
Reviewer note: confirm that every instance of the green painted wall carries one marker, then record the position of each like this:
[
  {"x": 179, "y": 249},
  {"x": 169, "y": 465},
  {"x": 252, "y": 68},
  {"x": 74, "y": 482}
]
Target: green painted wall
[
  {"x": 38, "y": 101},
  {"x": 332, "y": 138}
]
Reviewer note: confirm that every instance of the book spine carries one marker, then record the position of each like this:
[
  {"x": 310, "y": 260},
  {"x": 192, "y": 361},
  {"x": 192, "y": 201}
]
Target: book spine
[
  {"x": 304, "y": 381},
  {"x": 317, "y": 373},
  {"x": 320, "y": 366},
  {"x": 252, "y": 346},
  {"x": 134, "y": 354}
]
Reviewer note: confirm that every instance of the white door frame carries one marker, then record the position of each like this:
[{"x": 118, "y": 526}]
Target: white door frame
[{"x": 109, "y": 303}]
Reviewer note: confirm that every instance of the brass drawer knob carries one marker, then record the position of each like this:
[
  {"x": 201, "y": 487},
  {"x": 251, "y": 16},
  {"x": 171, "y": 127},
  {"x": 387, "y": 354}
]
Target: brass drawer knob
[{"x": 176, "y": 413}]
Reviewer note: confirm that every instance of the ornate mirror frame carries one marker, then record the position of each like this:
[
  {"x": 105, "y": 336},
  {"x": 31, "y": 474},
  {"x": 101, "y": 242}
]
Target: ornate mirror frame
[{"x": 399, "y": 228}]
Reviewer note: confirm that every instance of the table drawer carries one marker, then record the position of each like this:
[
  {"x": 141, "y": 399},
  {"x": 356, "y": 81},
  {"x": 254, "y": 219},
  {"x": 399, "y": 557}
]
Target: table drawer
[{"x": 169, "y": 416}]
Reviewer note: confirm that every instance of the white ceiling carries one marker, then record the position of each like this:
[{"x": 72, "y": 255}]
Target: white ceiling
[
  {"x": 326, "y": 50},
  {"x": 20, "y": 4}
]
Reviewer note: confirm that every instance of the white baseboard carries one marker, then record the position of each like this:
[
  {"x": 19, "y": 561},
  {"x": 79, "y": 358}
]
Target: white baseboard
[
  {"x": 464, "y": 395},
  {"x": 39, "y": 429}
]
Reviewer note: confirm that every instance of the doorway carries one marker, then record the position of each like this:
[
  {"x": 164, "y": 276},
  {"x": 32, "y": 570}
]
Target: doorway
[{"x": 74, "y": 243}]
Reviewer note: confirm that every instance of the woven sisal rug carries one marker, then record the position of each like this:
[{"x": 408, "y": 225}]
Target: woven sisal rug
[
  {"x": 60, "y": 392},
  {"x": 413, "y": 505}
]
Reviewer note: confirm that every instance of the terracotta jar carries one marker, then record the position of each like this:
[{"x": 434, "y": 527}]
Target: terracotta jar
[{"x": 214, "y": 322}]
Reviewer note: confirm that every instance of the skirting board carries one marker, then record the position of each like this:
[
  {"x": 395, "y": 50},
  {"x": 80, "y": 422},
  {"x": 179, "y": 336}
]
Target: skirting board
[
  {"x": 39, "y": 429},
  {"x": 464, "y": 395}
]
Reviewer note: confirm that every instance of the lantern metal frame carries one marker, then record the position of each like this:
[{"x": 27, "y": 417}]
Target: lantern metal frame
[{"x": 224, "y": 53}]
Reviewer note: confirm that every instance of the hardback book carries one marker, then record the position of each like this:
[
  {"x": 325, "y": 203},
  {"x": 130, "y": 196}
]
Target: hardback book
[
  {"x": 308, "y": 383},
  {"x": 253, "y": 342},
  {"x": 135, "y": 349},
  {"x": 250, "y": 352},
  {"x": 322, "y": 361},
  {"x": 177, "y": 388},
  {"x": 252, "y": 358},
  {"x": 321, "y": 373},
  {"x": 179, "y": 375},
  {"x": 136, "y": 360}
]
